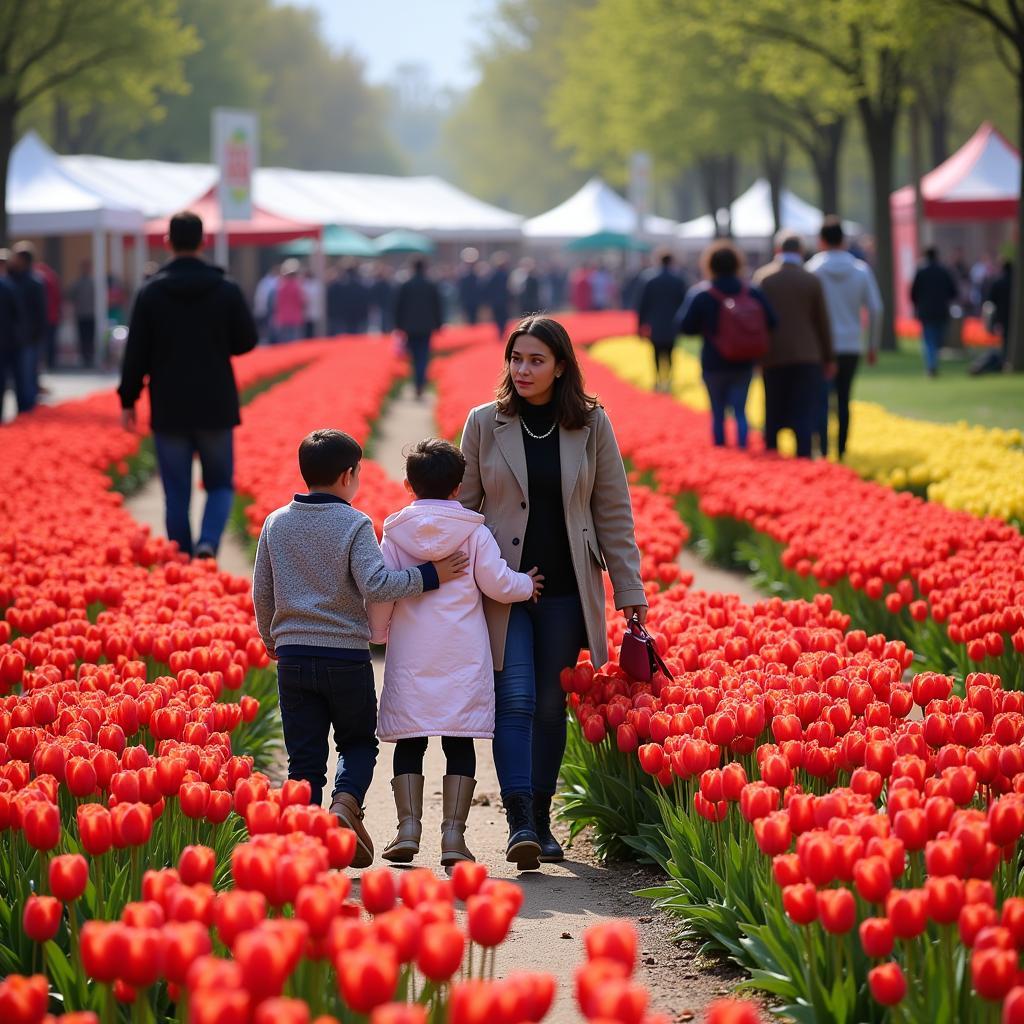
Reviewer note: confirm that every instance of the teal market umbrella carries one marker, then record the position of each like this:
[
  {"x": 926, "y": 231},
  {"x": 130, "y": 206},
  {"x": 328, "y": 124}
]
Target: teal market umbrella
[
  {"x": 607, "y": 240},
  {"x": 401, "y": 241},
  {"x": 337, "y": 241}
]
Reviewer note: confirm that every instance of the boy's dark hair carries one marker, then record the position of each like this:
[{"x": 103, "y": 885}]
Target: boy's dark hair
[
  {"x": 832, "y": 231},
  {"x": 325, "y": 454},
  {"x": 185, "y": 231},
  {"x": 434, "y": 468},
  {"x": 721, "y": 259}
]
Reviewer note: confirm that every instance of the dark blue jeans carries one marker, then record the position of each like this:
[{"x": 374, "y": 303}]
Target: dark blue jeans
[
  {"x": 174, "y": 453},
  {"x": 792, "y": 398},
  {"x": 317, "y": 694},
  {"x": 15, "y": 372},
  {"x": 727, "y": 389},
  {"x": 419, "y": 352},
  {"x": 529, "y": 721},
  {"x": 933, "y": 334}
]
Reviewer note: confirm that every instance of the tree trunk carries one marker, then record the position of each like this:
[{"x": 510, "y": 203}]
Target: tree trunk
[
  {"x": 879, "y": 134},
  {"x": 1015, "y": 346},
  {"x": 825, "y": 158},
  {"x": 938, "y": 127},
  {"x": 773, "y": 158},
  {"x": 718, "y": 178},
  {"x": 8, "y": 114}
]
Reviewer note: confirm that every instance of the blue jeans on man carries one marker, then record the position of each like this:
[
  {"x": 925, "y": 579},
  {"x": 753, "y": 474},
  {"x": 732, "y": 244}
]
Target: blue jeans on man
[
  {"x": 933, "y": 334},
  {"x": 529, "y": 719},
  {"x": 418, "y": 346},
  {"x": 727, "y": 389},
  {"x": 174, "y": 453},
  {"x": 18, "y": 371}
]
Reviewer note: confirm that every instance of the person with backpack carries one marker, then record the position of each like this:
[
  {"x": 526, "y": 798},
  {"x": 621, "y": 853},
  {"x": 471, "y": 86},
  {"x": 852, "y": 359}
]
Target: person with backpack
[{"x": 734, "y": 320}]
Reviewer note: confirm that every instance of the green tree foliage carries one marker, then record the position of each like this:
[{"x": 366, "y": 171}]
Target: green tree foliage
[
  {"x": 123, "y": 52},
  {"x": 500, "y": 144}
]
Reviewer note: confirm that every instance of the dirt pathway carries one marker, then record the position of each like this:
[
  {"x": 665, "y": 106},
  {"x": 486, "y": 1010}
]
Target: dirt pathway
[{"x": 713, "y": 578}]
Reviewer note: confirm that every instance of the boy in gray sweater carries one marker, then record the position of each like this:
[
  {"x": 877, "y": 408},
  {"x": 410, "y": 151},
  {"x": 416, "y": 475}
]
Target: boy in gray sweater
[{"x": 318, "y": 563}]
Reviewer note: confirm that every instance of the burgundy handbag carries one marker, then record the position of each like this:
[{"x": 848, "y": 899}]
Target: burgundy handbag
[{"x": 638, "y": 656}]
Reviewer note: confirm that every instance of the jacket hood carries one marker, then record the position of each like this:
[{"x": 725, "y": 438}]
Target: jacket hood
[
  {"x": 431, "y": 530},
  {"x": 837, "y": 263},
  {"x": 187, "y": 276}
]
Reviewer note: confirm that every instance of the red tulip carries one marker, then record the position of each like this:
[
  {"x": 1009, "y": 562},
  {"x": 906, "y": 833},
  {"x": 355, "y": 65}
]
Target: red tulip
[
  {"x": 440, "y": 952},
  {"x": 872, "y": 878},
  {"x": 24, "y": 1000},
  {"x": 837, "y": 910},
  {"x": 945, "y": 898},
  {"x": 41, "y": 917},
  {"x": 876, "y": 936},
  {"x": 887, "y": 984},
  {"x": 69, "y": 875},
  {"x": 197, "y": 864},
  {"x": 993, "y": 972},
  {"x": 467, "y": 877},
  {"x": 282, "y": 1011},
  {"x": 40, "y": 821},
  {"x": 183, "y": 943},
  {"x": 406, "y": 1013},
  {"x": 367, "y": 976},
  {"x": 907, "y": 909},
  {"x": 612, "y": 940},
  {"x": 800, "y": 902},
  {"x": 732, "y": 1011},
  {"x": 489, "y": 920},
  {"x": 377, "y": 888}
]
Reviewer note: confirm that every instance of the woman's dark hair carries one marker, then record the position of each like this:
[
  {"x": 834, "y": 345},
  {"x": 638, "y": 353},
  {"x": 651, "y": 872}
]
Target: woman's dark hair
[
  {"x": 572, "y": 403},
  {"x": 185, "y": 231},
  {"x": 325, "y": 455},
  {"x": 434, "y": 468},
  {"x": 721, "y": 259}
]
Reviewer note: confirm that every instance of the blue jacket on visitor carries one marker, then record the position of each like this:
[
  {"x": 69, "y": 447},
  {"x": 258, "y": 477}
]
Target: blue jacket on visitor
[{"x": 698, "y": 317}]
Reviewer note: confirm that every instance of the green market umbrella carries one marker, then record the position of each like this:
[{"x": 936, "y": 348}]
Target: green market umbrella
[
  {"x": 607, "y": 240},
  {"x": 404, "y": 241},
  {"x": 337, "y": 241}
]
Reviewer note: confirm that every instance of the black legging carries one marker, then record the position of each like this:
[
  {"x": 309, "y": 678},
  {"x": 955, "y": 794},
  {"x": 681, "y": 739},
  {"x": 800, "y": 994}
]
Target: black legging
[
  {"x": 663, "y": 363},
  {"x": 846, "y": 367},
  {"x": 459, "y": 753}
]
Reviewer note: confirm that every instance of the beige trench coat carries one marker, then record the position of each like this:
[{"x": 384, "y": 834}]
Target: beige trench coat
[{"x": 598, "y": 513}]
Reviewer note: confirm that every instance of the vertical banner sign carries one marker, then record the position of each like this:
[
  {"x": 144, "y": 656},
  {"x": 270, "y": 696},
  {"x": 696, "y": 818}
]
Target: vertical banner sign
[
  {"x": 639, "y": 193},
  {"x": 236, "y": 153}
]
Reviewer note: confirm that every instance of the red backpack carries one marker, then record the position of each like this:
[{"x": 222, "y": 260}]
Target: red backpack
[{"x": 742, "y": 333}]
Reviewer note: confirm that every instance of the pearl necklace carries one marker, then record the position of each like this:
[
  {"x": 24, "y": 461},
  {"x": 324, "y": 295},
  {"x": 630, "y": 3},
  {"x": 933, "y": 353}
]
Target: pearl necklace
[{"x": 539, "y": 437}]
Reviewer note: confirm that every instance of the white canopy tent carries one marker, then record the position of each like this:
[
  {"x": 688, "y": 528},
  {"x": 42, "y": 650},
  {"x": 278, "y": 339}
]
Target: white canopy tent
[
  {"x": 43, "y": 198},
  {"x": 752, "y": 220},
  {"x": 594, "y": 209}
]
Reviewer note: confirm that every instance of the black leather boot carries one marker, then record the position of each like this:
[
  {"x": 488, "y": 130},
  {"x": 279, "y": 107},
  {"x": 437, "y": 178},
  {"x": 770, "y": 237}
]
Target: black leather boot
[
  {"x": 550, "y": 849},
  {"x": 523, "y": 846}
]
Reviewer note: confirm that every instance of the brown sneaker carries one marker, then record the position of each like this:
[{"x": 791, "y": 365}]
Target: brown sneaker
[{"x": 350, "y": 814}]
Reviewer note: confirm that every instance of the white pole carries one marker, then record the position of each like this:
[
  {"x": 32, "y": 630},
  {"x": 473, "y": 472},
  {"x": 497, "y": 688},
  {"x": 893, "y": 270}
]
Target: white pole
[
  {"x": 320, "y": 272},
  {"x": 99, "y": 283}
]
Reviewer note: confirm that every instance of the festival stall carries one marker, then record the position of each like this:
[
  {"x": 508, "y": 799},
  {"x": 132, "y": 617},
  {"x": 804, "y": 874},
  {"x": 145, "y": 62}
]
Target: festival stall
[{"x": 969, "y": 202}]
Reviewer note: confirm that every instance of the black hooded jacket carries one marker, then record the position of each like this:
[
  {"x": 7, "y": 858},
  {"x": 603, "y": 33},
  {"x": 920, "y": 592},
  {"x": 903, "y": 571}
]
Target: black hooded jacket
[{"x": 187, "y": 323}]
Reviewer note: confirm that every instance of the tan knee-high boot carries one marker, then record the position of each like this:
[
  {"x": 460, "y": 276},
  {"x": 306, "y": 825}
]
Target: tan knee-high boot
[
  {"x": 457, "y": 797},
  {"x": 408, "y": 791}
]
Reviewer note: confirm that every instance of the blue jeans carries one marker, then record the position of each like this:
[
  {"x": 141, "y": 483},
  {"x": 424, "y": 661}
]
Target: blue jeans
[
  {"x": 315, "y": 695},
  {"x": 174, "y": 453},
  {"x": 419, "y": 352},
  {"x": 792, "y": 398},
  {"x": 284, "y": 333},
  {"x": 727, "y": 389},
  {"x": 17, "y": 370},
  {"x": 529, "y": 720},
  {"x": 933, "y": 333}
]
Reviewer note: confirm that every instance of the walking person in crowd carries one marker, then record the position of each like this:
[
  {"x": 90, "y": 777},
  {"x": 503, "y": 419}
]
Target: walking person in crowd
[
  {"x": 998, "y": 302},
  {"x": 263, "y": 304},
  {"x": 602, "y": 288},
  {"x": 187, "y": 323},
  {"x": 526, "y": 286},
  {"x": 12, "y": 323},
  {"x": 83, "y": 300},
  {"x": 317, "y": 566},
  {"x": 54, "y": 300},
  {"x": 581, "y": 293},
  {"x": 496, "y": 293},
  {"x": 734, "y": 320},
  {"x": 931, "y": 293},
  {"x": 468, "y": 284},
  {"x": 33, "y": 303},
  {"x": 800, "y": 355},
  {"x": 543, "y": 467},
  {"x": 289, "y": 314},
  {"x": 660, "y": 293},
  {"x": 418, "y": 313},
  {"x": 313, "y": 292},
  {"x": 850, "y": 291},
  {"x": 348, "y": 302},
  {"x": 382, "y": 298},
  {"x": 438, "y": 675}
]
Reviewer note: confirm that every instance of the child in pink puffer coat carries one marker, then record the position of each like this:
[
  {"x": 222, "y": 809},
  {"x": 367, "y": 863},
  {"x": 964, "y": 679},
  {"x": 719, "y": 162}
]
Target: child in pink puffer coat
[{"x": 438, "y": 674}]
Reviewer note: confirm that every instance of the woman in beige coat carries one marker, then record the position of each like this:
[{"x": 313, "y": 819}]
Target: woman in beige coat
[{"x": 543, "y": 467}]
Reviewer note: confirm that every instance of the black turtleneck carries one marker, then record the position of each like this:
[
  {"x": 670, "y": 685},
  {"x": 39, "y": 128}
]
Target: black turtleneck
[{"x": 546, "y": 543}]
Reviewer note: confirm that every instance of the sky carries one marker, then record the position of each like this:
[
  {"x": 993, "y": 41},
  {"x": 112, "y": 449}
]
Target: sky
[{"x": 439, "y": 34}]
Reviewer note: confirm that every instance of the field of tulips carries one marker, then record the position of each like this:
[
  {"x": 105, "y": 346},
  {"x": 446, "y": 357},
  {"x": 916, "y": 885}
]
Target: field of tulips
[{"x": 961, "y": 466}]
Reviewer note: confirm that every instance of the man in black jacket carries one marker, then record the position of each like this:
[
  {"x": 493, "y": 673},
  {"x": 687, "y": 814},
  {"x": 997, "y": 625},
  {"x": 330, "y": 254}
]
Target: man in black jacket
[
  {"x": 932, "y": 292},
  {"x": 32, "y": 293},
  {"x": 188, "y": 321},
  {"x": 12, "y": 336},
  {"x": 418, "y": 313},
  {"x": 662, "y": 293}
]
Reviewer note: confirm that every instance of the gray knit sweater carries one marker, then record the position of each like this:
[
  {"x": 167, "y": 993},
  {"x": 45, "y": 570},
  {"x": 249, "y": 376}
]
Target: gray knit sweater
[{"x": 317, "y": 563}]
